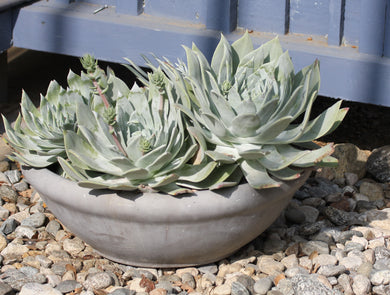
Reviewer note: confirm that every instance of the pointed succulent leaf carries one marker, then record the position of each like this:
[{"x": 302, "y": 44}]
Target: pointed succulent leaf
[{"x": 256, "y": 175}]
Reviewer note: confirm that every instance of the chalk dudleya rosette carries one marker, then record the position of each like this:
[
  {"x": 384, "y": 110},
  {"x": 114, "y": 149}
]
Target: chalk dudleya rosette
[
  {"x": 110, "y": 136},
  {"x": 194, "y": 125},
  {"x": 37, "y": 135},
  {"x": 249, "y": 107}
]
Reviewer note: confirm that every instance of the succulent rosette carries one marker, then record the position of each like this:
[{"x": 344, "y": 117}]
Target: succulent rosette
[{"x": 251, "y": 108}]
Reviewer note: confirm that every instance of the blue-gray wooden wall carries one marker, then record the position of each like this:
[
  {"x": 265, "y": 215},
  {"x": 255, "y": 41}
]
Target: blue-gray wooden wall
[{"x": 351, "y": 38}]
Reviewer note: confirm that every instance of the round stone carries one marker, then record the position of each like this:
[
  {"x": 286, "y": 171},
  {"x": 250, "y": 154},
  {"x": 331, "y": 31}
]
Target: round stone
[
  {"x": 73, "y": 246},
  {"x": 381, "y": 277},
  {"x": 8, "y": 194},
  {"x": 38, "y": 289},
  {"x": 295, "y": 215},
  {"x": 314, "y": 246},
  {"x": 262, "y": 286},
  {"x": 35, "y": 220},
  {"x": 239, "y": 289},
  {"x": 98, "y": 281},
  {"x": 67, "y": 286},
  {"x": 223, "y": 290},
  {"x": 378, "y": 163},
  {"x": 373, "y": 191}
]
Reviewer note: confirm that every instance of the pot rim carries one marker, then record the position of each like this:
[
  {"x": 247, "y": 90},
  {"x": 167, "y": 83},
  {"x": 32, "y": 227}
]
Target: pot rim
[{"x": 155, "y": 207}]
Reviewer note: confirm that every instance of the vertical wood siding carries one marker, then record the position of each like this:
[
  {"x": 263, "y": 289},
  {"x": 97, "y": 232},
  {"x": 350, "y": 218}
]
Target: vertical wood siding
[{"x": 350, "y": 37}]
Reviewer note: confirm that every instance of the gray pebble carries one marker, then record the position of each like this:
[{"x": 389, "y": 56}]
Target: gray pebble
[
  {"x": 211, "y": 268},
  {"x": 8, "y": 194},
  {"x": 35, "y": 220},
  {"x": 295, "y": 215},
  {"x": 29, "y": 271},
  {"x": 9, "y": 226},
  {"x": 188, "y": 279},
  {"x": 6, "y": 289},
  {"x": 378, "y": 163},
  {"x": 331, "y": 270},
  {"x": 53, "y": 227},
  {"x": 23, "y": 231},
  {"x": 68, "y": 286},
  {"x": 381, "y": 290},
  {"x": 262, "y": 286},
  {"x": 380, "y": 277},
  {"x": 13, "y": 176},
  {"x": 302, "y": 194},
  {"x": 293, "y": 271},
  {"x": 38, "y": 289},
  {"x": 21, "y": 186},
  {"x": 314, "y": 202},
  {"x": 336, "y": 216},
  {"x": 44, "y": 261},
  {"x": 170, "y": 278},
  {"x": 382, "y": 263},
  {"x": 165, "y": 285},
  {"x": 311, "y": 246},
  {"x": 120, "y": 291},
  {"x": 382, "y": 253},
  {"x": 351, "y": 246},
  {"x": 98, "y": 281},
  {"x": 59, "y": 268},
  {"x": 361, "y": 285},
  {"x": 310, "y": 228},
  {"x": 4, "y": 213},
  {"x": 363, "y": 206},
  {"x": 247, "y": 282},
  {"x": 306, "y": 284},
  {"x": 311, "y": 213},
  {"x": 239, "y": 289}
]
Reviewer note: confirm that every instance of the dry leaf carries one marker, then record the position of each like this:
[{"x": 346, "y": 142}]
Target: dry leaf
[
  {"x": 313, "y": 255},
  {"x": 278, "y": 278},
  {"x": 147, "y": 284},
  {"x": 27, "y": 193},
  {"x": 70, "y": 267},
  {"x": 315, "y": 268},
  {"x": 99, "y": 292}
]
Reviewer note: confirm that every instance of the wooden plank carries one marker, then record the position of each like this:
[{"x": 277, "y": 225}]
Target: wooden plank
[
  {"x": 5, "y": 30},
  {"x": 222, "y": 15},
  {"x": 336, "y": 21},
  {"x": 309, "y": 17},
  {"x": 345, "y": 72},
  {"x": 194, "y": 11},
  {"x": 386, "y": 50},
  {"x": 372, "y": 26},
  {"x": 351, "y": 23},
  {"x": 132, "y": 7},
  {"x": 3, "y": 77},
  {"x": 100, "y": 2},
  {"x": 266, "y": 15}
]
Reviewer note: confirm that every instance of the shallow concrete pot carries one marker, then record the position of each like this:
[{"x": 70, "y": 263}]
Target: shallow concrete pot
[{"x": 158, "y": 230}]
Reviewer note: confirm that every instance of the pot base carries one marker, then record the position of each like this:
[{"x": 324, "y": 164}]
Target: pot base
[{"x": 158, "y": 230}]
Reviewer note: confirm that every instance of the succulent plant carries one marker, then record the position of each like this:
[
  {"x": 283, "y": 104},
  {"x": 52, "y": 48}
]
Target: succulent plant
[
  {"x": 145, "y": 147},
  {"x": 37, "y": 135},
  {"x": 193, "y": 126},
  {"x": 38, "y": 139},
  {"x": 253, "y": 109}
]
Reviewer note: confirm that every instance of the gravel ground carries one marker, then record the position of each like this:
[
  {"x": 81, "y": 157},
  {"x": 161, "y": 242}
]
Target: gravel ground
[{"x": 333, "y": 238}]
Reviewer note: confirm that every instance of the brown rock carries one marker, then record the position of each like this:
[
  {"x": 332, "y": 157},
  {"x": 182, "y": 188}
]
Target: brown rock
[
  {"x": 373, "y": 191},
  {"x": 5, "y": 149},
  {"x": 351, "y": 160}
]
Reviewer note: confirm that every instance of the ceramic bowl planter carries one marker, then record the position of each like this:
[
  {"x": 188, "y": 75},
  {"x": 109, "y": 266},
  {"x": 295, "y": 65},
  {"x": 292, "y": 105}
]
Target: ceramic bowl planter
[{"x": 158, "y": 230}]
